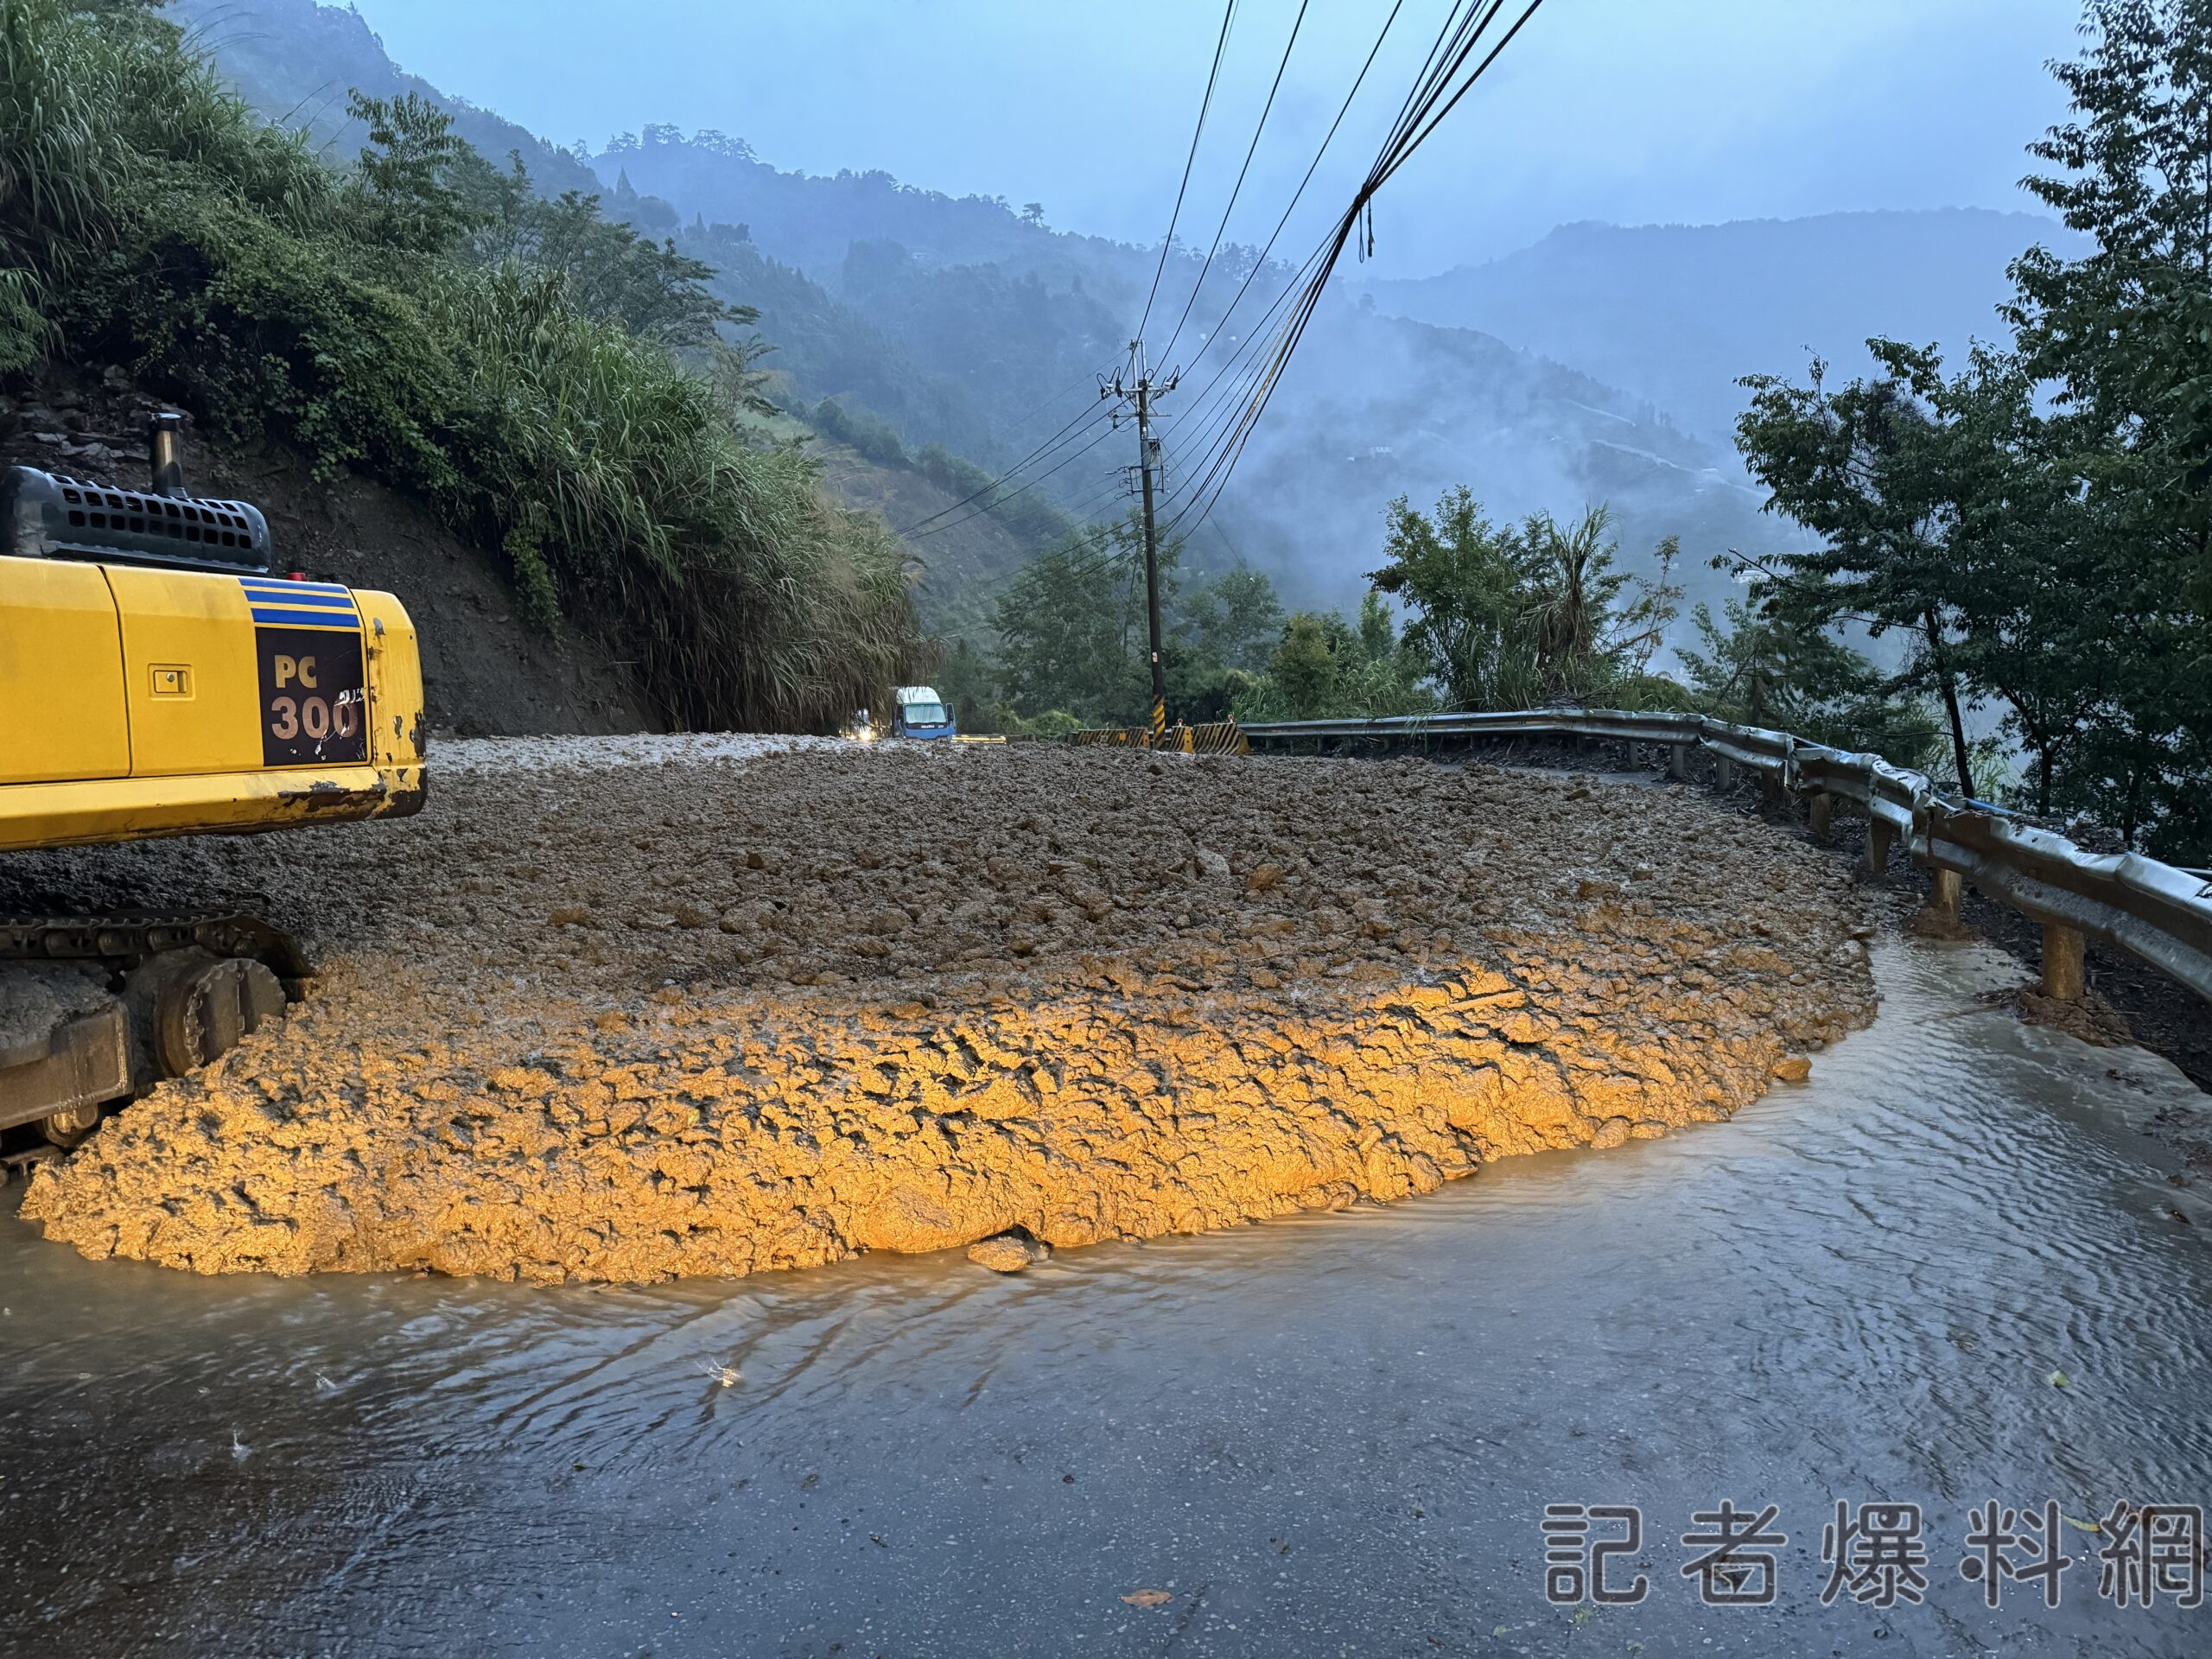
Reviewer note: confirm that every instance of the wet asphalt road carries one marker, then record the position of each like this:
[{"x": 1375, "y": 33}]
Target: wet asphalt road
[{"x": 1336, "y": 1435}]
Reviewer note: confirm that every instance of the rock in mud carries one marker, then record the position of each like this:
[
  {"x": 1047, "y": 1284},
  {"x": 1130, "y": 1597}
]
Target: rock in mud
[
  {"x": 1007, "y": 1253},
  {"x": 945, "y": 993}
]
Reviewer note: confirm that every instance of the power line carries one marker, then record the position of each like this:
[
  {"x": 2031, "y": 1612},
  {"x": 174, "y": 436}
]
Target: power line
[
  {"x": 1116, "y": 483},
  {"x": 1074, "y": 385},
  {"x": 921, "y": 524},
  {"x": 1466, "y": 87},
  {"x": 1342, "y": 110},
  {"x": 1434, "y": 96},
  {"x": 1228, "y": 14},
  {"x": 1207, "y": 405},
  {"x": 1207, "y": 414},
  {"x": 1092, "y": 535},
  {"x": 1437, "y": 90},
  {"x": 1250, "y": 151},
  {"x": 1012, "y": 495},
  {"x": 1075, "y": 423}
]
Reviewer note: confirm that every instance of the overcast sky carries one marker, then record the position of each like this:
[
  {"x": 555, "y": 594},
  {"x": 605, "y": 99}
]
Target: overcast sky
[{"x": 1632, "y": 110}]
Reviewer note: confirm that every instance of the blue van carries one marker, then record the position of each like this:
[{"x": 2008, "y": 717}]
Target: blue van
[{"x": 917, "y": 711}]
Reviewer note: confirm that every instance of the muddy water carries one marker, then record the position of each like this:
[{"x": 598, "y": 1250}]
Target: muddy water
[{"x": 1328, "y": 1434}]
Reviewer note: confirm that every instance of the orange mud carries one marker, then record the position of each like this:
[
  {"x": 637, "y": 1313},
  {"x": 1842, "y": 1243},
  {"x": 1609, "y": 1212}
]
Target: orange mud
[{"x": 587, "y": 1019}]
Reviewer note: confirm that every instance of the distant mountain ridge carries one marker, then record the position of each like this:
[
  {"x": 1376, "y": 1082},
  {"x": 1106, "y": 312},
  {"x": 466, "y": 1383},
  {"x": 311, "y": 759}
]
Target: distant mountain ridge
[
  {"x": 295, "y": 60},
  {"x": 1676, "y": 313},
  {"x": 1003, "y": 314},
  {"x": 1596, "y": 367}
]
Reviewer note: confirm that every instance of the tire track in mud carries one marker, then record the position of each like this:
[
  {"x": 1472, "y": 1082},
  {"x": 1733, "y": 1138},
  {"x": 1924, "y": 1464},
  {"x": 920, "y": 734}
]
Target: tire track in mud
[{"x": 629, "y": 1009}]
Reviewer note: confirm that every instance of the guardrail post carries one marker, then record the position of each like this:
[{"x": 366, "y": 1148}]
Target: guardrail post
[
  {"x": 1880, "y": 834},
  {"x": 1678, "y": 762},
  {"x": 1818, "y": 810},
  {"x": 1725, "y": 770},
  {"x": 2064, "y": 975}
]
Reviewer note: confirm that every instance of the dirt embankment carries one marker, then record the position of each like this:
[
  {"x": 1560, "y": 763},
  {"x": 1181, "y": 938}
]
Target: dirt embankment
[
  {"x": 623, "y": 1009},
  {"x": 483, "y": 672}
]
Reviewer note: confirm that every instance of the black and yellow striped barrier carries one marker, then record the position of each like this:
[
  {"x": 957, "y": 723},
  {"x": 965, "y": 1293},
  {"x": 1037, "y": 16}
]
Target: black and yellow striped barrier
[
  {"x": 1220, "y": 737},
  {"x": 1223, "y": 737}
]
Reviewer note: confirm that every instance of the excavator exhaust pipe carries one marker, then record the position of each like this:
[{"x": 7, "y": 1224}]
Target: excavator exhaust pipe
[{"x": 165, "y": 446}]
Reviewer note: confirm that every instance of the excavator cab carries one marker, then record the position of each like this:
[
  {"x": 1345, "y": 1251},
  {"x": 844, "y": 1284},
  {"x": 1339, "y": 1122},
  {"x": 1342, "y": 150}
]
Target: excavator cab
[{"x": 156, "y": 678}]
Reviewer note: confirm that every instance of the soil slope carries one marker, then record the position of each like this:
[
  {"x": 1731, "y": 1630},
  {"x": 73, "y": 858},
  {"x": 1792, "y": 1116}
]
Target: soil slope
[
  {"x": 629, "y": 1008},
  {"x": 483, "y": 671}
]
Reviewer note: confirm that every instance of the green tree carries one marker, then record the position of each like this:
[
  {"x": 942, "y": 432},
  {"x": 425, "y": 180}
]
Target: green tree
[
  {"x": 1768, "y": 667},
  {"x": 1468, "y": 585},
  {"x": 2042, "y": 519},
  {"x": 413, "y": 178},
  {"x": 1304, "y": 666},
  {"x": 1513, "y": 617},
  {"x": 2037, "y": 620},
  {"x": 1232, "y": 622},
  {"x": 649, "y": 287},
  {"x": 1869, "y": 469},
  {"x": 1072, "y": 628},
  {"x": 1325, "y": 667},
  {"x": 2122, "y": 336}
]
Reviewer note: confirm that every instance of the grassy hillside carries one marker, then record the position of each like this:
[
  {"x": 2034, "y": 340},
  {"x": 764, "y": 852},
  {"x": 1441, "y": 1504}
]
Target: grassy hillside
[
  {"x": 294, "y": 59},
  {"x": 955, "y": 573},
  {"x": 548, "y": 383}
]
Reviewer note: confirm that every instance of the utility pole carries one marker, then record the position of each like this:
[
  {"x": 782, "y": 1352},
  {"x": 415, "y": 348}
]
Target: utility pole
[{"x": 1134, "y": 385}]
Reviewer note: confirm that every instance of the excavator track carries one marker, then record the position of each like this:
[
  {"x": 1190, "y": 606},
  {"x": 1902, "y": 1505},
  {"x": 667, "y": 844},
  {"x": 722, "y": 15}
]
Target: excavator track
[
  {"x": 129, "y": 939},
  {"x": 98, "y": 1009}
]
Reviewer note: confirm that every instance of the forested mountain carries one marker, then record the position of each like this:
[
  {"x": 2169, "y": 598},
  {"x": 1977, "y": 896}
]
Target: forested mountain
[
  {"x": 1377, "y": 407},
  {"x": 1011, "y": 320},
  {"x": 968, "y": 324},
  {"x": 812, "y": 220},
  {"x": 296, "y": 62},
  {"x": 1677, "y": 313}
]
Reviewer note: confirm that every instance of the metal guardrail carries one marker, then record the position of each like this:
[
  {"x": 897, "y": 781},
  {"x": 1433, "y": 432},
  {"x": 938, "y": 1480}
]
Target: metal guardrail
[{"x": 2160, "y": 915}]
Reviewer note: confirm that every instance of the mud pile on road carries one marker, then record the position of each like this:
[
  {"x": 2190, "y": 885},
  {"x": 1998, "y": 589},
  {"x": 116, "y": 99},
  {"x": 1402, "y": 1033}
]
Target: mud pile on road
[{"x": 620, "y": 1010}]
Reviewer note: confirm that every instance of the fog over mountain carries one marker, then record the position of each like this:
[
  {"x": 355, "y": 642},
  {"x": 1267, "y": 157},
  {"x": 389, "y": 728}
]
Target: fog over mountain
[
  {"x": 1626, "y": 110},
  {"x": 1597, "y": 364},
  {"x": 1678, "y": 313}
]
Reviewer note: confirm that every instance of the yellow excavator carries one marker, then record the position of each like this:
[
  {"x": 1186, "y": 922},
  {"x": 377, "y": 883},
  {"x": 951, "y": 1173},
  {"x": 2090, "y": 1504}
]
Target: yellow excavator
[{"x": 160, "y": 676}]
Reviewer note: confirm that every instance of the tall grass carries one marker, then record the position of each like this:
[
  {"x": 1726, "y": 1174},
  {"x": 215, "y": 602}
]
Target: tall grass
[{"x": 148, "y": 218}]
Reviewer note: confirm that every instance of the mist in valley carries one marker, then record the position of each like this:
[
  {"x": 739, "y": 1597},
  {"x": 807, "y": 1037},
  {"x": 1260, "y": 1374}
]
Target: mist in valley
[{"x": 949, "y": 272}]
